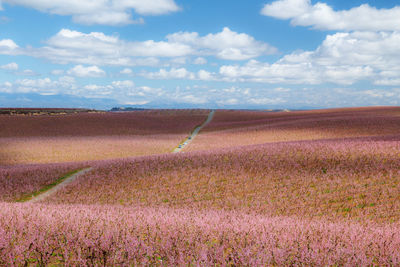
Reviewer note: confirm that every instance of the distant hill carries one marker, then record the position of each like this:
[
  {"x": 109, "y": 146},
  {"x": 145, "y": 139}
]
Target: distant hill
[
  {"x": 126, "y": 109},
  {"x": 44, "y": 111}
]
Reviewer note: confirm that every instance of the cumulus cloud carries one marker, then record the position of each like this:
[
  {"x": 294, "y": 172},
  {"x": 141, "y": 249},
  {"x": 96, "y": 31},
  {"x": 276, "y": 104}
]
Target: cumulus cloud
[
  {"x": 90, "y": 71},
  {"x": 173, "y": 73},
  {"x": 229, "y": 101},
  {"x": 57, "y": 72},
  {"x": 200, "y": 61},
  {"x": 8, "y": 47},
  {"x": 179, "y": 73},
  {"x": 191, "y": 99},
  {"x": 322, "y": 16},
  {"x": 136, "y": 103},
  {"x": 124, "y": 90},
  {"x": 97, "y": 48},
  {"x": 343, "y": 58},
  {"x": 205, "y": 75},
  {"x": 27, "y": 72},
  {"x": 123, "y": 84},
  {"x": 179, "y": 61},
  {"x": 106, "y": 12},
  {"x": 121, "y": 90},
  {"x": 266, "y": 101},
  {"x": 11, "y": 66},
  {"x": 226, "y": 44},
  {"x": 126, "y": 71},
  {"x": 45, "y": 86},
  {"x": 388, "y": 82}
]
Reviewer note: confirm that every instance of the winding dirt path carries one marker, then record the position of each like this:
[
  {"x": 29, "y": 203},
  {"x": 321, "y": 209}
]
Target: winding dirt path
[
  {"x": 49, "y": 192},
  {"x": 194, "y": 133}
]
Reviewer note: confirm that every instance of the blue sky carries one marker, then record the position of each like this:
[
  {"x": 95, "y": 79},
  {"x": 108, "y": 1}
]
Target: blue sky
[{"x": 200, "y": 53}]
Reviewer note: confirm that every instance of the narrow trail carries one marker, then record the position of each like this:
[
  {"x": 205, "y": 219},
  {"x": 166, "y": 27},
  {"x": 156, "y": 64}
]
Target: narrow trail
[
  {"x": 194, "y": 133},
  {"x": 49, "y": 192}
]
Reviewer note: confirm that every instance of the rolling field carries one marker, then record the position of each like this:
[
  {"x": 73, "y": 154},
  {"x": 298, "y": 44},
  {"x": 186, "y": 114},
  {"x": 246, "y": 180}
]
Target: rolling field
[
  {"x": 93, "y": 136},
  {"x": 335, "y": 179},
  {"x": 17, "y": 182},
  {"x": 310, "y": 188},
  {"x": 80, "y": 235},
  {"x": 234, "y": 128}
]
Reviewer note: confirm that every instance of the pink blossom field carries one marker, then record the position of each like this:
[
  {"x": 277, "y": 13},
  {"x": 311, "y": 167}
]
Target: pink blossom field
[
  {"x": 36, "y": 150},
  {"x": 332, "y": 199},
  {"x": 102, "y": 124},
  {"x": 356, "y": 179},
  {"x": 20, "y": 180},
  {"x": 98, "y": 235},
  {"x": 93, "y": 136},
  {"x": 233, "y": 128}
]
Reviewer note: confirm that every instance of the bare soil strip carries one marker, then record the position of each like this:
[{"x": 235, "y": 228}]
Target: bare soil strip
[
  {"x": 49, "y": 192},
  {"x": 196, "y": 131}
]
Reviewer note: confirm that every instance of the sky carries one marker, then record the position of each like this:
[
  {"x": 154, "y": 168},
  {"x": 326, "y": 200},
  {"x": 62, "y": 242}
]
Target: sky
[{"x": 293, "y": 54}]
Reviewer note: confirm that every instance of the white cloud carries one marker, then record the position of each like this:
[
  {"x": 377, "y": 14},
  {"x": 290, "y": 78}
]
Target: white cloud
[
  {"x": 126, "y": 71},
  {"x": 152, "y": 7},
  {"x": 322, "y": 16},
  {"x": 151, "y": 48},
  {"x": 343, "y": 58},
  {"x": 282, "y": 89},
  {"x": 66, "y": 81},
  {"x": 11, "y": 66},
  {"x": 44, "y": 86},
  {"x": 57, "y": 72},
  {"x": 91, "y": 71},
  {"x": 96, "y": 91},
  {"x": 278, "y": 72},
  {"x": 97, "y": 48},
  {"x": 286, "y": 9},
  {"x": 173, "y": 73},
  {"x": 191, "y": 99},
  {"x": 27, "y": 72},
  {"x": 227, "y": 44},
  {"x": 229, "y": 101},
  {"x": 179, "y": 61},
  {"x": 136, "y": 103},
  {"x": 265, "y": 101},
  {"x": 123, "y": 91},
  {"x": 106, "y": 12},
  {"x": 123, "y": 84},
  {"x": 200, "y": 61},
  {"x": 8, "y": 47},
  {"x": 388, "y": 82},
  {"x": 179, "y": 73},
  {"x": 205, "y": 75}
]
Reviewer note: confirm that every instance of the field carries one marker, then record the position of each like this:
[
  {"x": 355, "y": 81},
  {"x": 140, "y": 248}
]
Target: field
[
  {"x": 93, "y": 136},
  {"x": 312, "y": 188},
  {"x": 233, "y": 128}
]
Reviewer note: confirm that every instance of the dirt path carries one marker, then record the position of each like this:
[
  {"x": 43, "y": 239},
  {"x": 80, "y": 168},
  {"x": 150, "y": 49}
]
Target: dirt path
[
  {"x": 49, "y": 192},
  {"x": 194, "y": 133}
]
